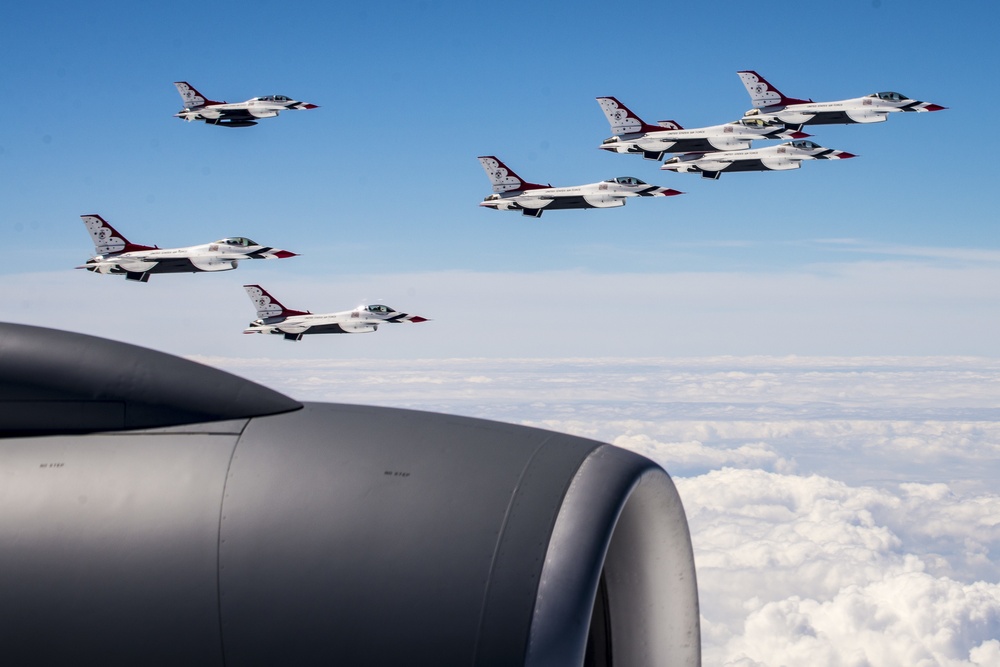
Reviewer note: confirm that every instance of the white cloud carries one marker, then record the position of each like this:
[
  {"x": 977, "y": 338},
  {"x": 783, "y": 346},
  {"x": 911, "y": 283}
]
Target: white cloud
[
  {"x": 680, "y": 457},
  {"x": 808, "y": 570},
  {"x": 907, "y": 618}
]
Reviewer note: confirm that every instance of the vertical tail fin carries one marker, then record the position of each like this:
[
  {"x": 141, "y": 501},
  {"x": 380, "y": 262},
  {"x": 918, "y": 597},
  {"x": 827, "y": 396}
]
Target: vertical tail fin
[
  {"x": 763, "y": 94},
  {"x": 107, "y": 239},
  {"x": 503, "y": 177},
  {"x": 192, "y": 98},
  {"x": 622, "y": 119},
  {"x": 267, "y": 306}
]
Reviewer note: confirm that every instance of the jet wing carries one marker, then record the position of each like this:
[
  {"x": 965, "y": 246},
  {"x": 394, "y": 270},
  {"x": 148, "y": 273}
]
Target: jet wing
[
  {"x": 216, "y": 263},
  {"x": 780, "y": 164},
  {"x": 701, "y": 145},
  {"x": 606, "y": 201},
  {"x": 860, "y": 116},
  {"x": 132, "y": 265},
  {"x": 235, "y": 114},
  {"x": 229, "y": 117}
]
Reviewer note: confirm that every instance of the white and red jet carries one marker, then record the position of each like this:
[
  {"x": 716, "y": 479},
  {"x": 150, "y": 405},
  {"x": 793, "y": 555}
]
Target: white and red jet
[
  {"x": 237, "y": 114},
  {"x": 634, "y": 136},
  {"x": 274, "y": 318},
  {"x": 789, "y": 155},
  {"x": 512, "y": 193},
  {"x": 771, "y": 103},
  {"x": 114, "y": 254}
]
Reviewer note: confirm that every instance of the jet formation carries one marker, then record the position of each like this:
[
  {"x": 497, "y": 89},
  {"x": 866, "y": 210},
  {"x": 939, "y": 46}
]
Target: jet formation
[
  {"x": 782, "y": 157},
  {"x": 116, "y": 255},
  {"x": 237, "y": 114},
  {"x": 634, "y": 136},
  {"x": 709, "y": 151},
  {"x": 274, "y": 318}
]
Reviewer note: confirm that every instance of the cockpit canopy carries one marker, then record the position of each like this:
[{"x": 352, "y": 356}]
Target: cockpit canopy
[
  {"x": 240, "y": 241},
  {"x": 755, "y": 123},
  {"x": 889, "y": 96},
  {"x": 625, "y": 180},
  {"x": 380, "y": 309},
  {"x": 804, "y": 144},
  {"x": 274, "y": 98}
]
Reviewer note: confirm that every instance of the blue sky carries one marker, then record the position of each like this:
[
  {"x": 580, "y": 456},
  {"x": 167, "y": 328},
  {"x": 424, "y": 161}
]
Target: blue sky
[
  {"x": 778, "y": 341},
  {"x": 383, "y": 178}
]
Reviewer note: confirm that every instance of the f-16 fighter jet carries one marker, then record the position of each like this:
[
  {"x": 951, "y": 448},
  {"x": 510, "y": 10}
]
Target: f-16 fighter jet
[
  {"x": 771, "y": 103},
  {"x": 633, "y": 135},
  {"x": 784, "y": 156},
  {"x": 512, "y": 193},
  {"x": 274, "y": 318},
  {"x": 237, "y": 114},
  {"x": 116, "y": 255}
]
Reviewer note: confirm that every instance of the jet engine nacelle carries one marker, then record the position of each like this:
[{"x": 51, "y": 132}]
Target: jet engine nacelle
[{"x": 154, "y": 511}]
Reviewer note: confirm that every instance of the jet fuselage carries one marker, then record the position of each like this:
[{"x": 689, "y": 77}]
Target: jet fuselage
[{"x": 771, "y": 158}]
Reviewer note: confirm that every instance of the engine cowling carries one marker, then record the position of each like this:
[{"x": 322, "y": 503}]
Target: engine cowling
[{"x": 248, "y": 528}]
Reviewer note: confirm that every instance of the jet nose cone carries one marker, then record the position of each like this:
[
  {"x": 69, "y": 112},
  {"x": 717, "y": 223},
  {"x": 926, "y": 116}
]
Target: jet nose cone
[
  {"x": 670, "y": 192},
  {"x": 935, "y": 107},
  {"x": 310, "y": 106},
  {"x": 800, "y": 135},
  {"x": 284, "y": 254},
  {"x": 417, "y": 318},
  {"x": 844, "y": 155}
]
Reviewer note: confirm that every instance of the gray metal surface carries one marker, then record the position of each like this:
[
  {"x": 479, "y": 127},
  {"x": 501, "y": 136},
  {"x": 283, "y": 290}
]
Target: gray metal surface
[
  {"x": 109, "y": 549},
  {"x": 54, "y": 382},
  {"x": 426, "y": 536}
]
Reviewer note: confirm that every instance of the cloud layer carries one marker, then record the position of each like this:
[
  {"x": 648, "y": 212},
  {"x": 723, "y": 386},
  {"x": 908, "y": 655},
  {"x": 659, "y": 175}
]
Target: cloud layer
[{"x": 808, "y": 570}]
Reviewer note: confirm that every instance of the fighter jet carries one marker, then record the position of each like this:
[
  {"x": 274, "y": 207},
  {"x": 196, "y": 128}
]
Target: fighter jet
[
  {"x": 512, "y": 193},
  {"x": 633, "y": 135},
  {"x": 114, "y": 254},
  {"x": 274, "y": 318},
  {"x": 771, "y": 103},
  {"x": 784, "y": 156},
  {"x": 237, "y": 114}
]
